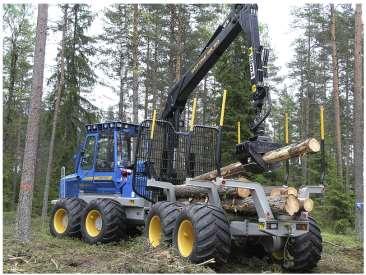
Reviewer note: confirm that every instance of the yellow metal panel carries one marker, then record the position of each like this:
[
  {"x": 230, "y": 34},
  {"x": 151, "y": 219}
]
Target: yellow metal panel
[
  {"x": 193, "y": 114},
  {"x": 93, "y": 223},
  {"x": 254, "y": 88},
  {"x": 238, "y": 132},
  {"x": 322, "y": 122},
  {"x": 286, "y": 128},
  {"x": 153, "y": 125},
  {"x": 223, "y": 109},
  {"x": 186, "y": 238},
  {"x": 103, "y": 178},
  {"x": 88, "y": 179},
  {"x": 155, "y": 231},
  {"x": 60, "y": 221}
]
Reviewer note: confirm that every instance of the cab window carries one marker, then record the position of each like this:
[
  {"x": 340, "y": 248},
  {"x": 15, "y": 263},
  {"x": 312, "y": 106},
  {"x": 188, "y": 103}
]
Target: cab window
[
  {"x": 124, "y": 151},
  {"x": 105, "y": 158},
  {"x": 88, "y": 154}
]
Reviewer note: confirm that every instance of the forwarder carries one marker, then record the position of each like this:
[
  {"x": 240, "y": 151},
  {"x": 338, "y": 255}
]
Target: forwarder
[{"x": 126, "y": 175}]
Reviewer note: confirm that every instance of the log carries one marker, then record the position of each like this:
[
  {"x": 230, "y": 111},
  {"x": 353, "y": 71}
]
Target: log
[
  {"x": 306, "y": 204},
  {"x": 283, "y": 191},
  {"x": 276, "y": 192},
  {"x": 311, "y": 145},
  {"x": 282, "y": 204},
  {"x": 230, "y": 170},
  {"x": 243, "y": 192}
]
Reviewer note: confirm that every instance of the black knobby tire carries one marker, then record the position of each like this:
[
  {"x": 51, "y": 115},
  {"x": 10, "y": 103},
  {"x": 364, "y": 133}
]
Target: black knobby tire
[
  {"x": 113, "y": 226},
  {"x": 73, "y": 208},
  {"x": 306, "y": 249},
  {"x": 211, "y": 233},
  {"x": 167, "y": 213}
]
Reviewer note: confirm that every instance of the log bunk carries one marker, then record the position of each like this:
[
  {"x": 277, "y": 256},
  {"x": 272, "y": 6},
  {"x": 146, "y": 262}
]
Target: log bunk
[{"x": 282, "y": 199}]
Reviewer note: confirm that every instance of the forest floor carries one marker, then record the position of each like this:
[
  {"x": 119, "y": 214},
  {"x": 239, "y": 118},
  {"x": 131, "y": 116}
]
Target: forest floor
[{"x": 45, "y": 254}]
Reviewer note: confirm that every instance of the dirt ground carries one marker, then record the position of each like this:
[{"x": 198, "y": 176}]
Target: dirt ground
[{"x": 45, "y": 254}]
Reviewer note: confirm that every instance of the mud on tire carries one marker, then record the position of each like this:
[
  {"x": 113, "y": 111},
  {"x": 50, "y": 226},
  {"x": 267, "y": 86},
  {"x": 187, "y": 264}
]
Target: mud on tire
[
  {"x": 66, "y": 217},
  {"x": 211, "y": 234},
  {"x": 103, "y": 221}
]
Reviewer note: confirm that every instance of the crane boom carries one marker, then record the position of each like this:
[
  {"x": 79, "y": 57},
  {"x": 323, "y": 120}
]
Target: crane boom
[{"x": 242, "y": 18}]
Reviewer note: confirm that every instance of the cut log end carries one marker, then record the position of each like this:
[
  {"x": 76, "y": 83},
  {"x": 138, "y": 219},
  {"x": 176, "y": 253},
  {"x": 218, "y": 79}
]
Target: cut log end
[
  {"x": 243, "y": 192},
  {"x": 292, "y": 205},
  {"x": 306, "y": 204},
  {"x": 314, "y": 145}
]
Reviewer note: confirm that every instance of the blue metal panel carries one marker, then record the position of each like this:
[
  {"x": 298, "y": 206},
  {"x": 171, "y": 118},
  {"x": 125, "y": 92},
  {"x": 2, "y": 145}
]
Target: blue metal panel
[
  {"x": 69, "y": 186},
  {"x": 100, "y": 182}
]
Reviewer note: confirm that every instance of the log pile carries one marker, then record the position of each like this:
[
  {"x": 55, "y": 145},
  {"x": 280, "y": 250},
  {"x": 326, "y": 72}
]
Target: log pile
[
  {"x": 239, "y": 200},
  {"x": 281, "y": 199}
]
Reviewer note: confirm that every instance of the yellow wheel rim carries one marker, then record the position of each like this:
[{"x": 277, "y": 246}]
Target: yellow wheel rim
[
  {"x": 155, "y": 231},
  {"x": 93, "y": 223},
  {"x": 185, "y": 238},
  {"x": 277, "y": 255},
  {"x": 60, "y": 221}
]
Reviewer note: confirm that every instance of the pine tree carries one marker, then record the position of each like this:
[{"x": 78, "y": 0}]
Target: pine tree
[
  {"x": 60, "y": 87},
  {"x": 337, "y": 120},
  {"x": 23, "y": 226},
  {"x": 17, "y": 81},
  {"x": 358, "y": 122}
]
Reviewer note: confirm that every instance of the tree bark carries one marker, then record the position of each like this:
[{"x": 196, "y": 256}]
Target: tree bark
[
  {"x": 358, "y": 122},
  {"x": 179, "y": 42},
  {"x": 135, "y": 70},
  {"x": 147, "y": 79},
  {"x": 17, "y": 163},
  {"x": 310, "y": 145},
  {"x": 246, "y": 206},
  {"x": 337, "y": 118},
  {"x": 23, "y": 219},
  {"x": 55, "y": 119}
]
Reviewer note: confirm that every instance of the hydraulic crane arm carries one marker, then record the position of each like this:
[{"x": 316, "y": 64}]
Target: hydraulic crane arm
[{"x": 241, "y": 18}]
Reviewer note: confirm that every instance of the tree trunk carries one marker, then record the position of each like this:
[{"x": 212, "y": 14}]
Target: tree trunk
[
  {"x": 358, "y": 122},
  {"x": 122, "y": 72},
  {"x": 135, "y": 70},
  {"x": 121, "y": 84},
  {"x": 147, "y": 79},
  {"x": 172, "y": 42},
  {"x": 17, "y": 163},
  {"x": 55, "y": 118},
  {"x": 337, "y": 119},
  {"x": 179, "y": 42},
  {"x": 23, "y": 219}
]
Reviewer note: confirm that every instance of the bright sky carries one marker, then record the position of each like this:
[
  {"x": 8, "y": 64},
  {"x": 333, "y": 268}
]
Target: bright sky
[{"x": 277, "y": 21}]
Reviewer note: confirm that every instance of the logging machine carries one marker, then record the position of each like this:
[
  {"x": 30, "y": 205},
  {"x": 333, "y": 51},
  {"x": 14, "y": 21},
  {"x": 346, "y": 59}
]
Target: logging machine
[{"x": 128, "y": 175}]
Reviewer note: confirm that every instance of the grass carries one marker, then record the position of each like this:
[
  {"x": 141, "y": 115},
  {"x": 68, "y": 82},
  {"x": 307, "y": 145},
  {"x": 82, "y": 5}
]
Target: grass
[{"x": 45, "y": 254}]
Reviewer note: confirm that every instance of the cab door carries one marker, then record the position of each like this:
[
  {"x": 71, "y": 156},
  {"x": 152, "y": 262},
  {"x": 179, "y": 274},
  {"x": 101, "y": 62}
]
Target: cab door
[
  {"x": 87, "y": 163},
  {"x": 105, "y": 162}
]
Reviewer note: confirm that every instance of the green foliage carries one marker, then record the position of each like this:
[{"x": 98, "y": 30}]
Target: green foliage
[
  {"x": 232, "y": 73},
  {"x": 341, "y": 226}
]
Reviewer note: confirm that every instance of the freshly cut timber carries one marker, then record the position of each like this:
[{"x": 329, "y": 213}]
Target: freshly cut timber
[
  {"x": 281, "y": 200},
  {"x": 311, "y": 145},
  {"x": 283, "y": 191},
  {"x": 283, "y": 204},
  {"x": 306, "y": 204}
]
